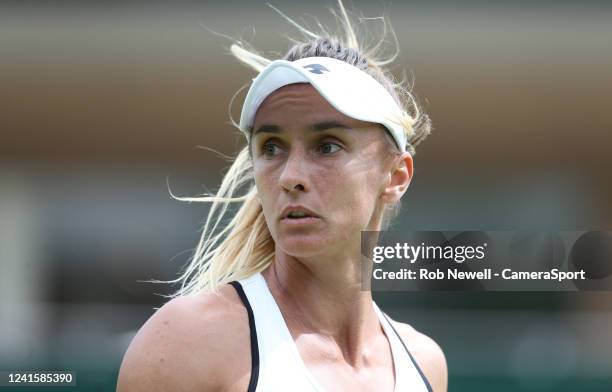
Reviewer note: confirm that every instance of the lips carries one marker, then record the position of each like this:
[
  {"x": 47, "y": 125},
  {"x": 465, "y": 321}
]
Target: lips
[{"x": 297, "y": 212}]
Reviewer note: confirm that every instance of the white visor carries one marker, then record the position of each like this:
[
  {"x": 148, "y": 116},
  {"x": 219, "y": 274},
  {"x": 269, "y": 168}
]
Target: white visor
[{"x": 348, "y": 89}]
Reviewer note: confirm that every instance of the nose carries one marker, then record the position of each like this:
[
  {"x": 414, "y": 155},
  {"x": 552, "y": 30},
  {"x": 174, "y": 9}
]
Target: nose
[{"x": 293, "y": 177}]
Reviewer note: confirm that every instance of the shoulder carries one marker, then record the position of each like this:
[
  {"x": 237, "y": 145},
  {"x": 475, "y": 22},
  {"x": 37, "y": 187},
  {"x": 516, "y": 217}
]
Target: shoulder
[
  {"x": 186, "y": 344},
  {"x": 427, "y": 353}
]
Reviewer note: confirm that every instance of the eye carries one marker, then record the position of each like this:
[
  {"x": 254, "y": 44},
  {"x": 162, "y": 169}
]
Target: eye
[
  {"x": 328, "y": 148},
  {"x": 270, "y": 149}
]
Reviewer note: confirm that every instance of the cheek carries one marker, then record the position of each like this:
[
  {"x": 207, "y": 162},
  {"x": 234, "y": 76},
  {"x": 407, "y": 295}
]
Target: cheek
[
  {"x": 267, "y": 192},
  {"x": 264, "y": 185},
  {"x": 355, "y": 197}
]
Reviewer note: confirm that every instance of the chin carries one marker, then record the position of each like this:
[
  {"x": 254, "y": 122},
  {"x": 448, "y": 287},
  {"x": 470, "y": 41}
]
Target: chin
[{"x": 303, "y": 245}]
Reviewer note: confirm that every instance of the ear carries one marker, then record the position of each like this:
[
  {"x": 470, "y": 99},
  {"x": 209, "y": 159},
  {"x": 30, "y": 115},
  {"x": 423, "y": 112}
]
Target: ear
[{"x": 400, "y": 176}]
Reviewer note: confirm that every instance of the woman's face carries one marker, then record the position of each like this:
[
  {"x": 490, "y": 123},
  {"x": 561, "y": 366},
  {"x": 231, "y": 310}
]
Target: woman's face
[{"x": 329, "y": 168}]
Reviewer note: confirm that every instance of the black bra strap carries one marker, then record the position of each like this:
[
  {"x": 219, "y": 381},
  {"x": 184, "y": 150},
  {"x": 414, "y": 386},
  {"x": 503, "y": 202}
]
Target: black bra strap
[
  {"x": 410, "y": 355},
  {"x": 254, "y": 346}
]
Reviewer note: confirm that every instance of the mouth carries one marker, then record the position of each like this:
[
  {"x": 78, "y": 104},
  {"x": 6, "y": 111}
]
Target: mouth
[
  {"x": 299, "y": 220},
  {"x": 298, "y": 215}
]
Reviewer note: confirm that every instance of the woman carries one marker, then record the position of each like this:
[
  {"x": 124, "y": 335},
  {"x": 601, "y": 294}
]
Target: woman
[{"x": 274, "y": 301}]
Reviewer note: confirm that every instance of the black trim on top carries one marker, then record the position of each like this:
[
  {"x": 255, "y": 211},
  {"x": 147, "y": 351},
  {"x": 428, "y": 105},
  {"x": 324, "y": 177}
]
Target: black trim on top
[
  {"x": 410, "y": 355},
  {"x": 254, "y": 345}
]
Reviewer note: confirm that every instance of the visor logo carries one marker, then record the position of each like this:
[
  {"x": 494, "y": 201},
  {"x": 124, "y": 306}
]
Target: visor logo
[{"x": 316, "y": 68}]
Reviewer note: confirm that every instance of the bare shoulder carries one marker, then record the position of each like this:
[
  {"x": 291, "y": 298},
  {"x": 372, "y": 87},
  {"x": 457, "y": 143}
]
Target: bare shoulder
[
  {"x": 427, "y": 353},
  {"x": 186, "y": 344}
]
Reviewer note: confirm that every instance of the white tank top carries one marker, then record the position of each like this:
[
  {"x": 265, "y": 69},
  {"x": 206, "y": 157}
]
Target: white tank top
[{"x": 276, "y": 364}]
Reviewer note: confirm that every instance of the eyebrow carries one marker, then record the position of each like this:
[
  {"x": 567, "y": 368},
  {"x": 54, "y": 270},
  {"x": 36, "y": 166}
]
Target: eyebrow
[{"x": 316, "y": 127}]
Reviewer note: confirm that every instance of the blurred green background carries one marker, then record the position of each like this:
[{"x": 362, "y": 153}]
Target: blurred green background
[{"x": 104, "y": 101}]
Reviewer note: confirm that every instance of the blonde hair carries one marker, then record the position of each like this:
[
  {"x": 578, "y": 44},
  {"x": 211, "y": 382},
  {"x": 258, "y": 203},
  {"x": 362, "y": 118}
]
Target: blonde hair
[{"x": 244, "y": 245}]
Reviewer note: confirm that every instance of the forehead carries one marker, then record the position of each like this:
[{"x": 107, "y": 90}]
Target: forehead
[{"x": 300, "y": 103}]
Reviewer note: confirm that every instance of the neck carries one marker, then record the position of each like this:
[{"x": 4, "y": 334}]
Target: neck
[{"x": 324, "y": 298}]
